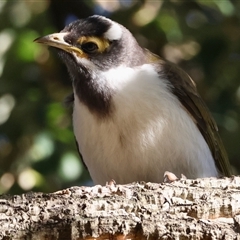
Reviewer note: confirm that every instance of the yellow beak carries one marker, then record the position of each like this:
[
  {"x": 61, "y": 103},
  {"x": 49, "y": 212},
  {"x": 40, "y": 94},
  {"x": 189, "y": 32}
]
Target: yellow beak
[{"x": 57, "y": 40}]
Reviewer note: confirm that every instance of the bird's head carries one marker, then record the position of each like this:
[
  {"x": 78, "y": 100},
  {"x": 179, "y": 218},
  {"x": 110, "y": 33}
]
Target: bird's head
[
  {"x": 91, "y": 47},
  {"x": 96, "y": 43}
]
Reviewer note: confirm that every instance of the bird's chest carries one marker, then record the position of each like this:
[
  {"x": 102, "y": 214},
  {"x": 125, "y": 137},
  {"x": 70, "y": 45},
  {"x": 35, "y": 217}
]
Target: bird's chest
[
  {"x": 126, "y": 140},
  {"x": 141, "y": 137},
  {"x": 110, "y": 145}
]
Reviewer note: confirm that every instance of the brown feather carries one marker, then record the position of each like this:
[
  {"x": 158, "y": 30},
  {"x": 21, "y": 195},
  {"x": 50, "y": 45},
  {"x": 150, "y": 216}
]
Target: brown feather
[{"x": 185, "y": 90}]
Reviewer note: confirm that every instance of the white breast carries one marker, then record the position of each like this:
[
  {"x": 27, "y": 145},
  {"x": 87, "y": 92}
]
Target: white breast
[{"x": 148, "y": 133}]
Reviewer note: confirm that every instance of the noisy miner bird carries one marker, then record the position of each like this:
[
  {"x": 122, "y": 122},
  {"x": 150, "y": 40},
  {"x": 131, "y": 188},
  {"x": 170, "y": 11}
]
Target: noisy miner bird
[{"x": 135, "y": 116}]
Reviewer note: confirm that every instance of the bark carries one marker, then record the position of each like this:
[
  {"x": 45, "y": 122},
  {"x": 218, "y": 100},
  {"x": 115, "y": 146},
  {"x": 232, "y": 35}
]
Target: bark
[{"x": 185, "y": 209}]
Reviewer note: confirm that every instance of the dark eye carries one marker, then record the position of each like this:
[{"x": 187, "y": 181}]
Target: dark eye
[{"x": 89, "y": 47}]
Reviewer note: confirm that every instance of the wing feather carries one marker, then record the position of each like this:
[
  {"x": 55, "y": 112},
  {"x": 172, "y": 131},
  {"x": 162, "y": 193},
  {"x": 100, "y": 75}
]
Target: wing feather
[{"x": 185, "y": 90}]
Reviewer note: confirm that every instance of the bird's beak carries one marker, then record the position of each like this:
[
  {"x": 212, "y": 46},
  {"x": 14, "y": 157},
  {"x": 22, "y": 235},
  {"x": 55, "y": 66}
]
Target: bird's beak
[{"x": 57, "y": 40}]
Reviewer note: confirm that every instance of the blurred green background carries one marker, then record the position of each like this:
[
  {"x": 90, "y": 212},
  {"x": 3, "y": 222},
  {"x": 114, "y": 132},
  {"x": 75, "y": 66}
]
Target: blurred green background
[{"x": 37, "y": 146}]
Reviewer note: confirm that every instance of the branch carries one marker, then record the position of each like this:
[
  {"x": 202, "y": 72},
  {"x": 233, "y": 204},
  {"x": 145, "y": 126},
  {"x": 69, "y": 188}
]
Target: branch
[{"x": 186, "y": 209}]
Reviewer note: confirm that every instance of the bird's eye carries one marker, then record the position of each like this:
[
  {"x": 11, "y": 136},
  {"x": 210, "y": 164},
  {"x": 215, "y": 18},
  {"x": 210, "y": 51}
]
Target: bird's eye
[{"x": 89, "y": 47}]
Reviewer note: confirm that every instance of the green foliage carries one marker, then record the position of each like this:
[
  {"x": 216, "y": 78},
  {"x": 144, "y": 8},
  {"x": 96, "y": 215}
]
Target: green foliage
[{"x": 37, "y": 146}]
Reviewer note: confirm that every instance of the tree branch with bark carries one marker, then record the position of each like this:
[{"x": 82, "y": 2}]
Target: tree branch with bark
[{"x": 185, "y": 209}]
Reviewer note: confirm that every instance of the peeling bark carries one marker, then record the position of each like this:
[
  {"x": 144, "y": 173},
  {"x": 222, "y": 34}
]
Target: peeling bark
[{"x": 185, "y": 209}]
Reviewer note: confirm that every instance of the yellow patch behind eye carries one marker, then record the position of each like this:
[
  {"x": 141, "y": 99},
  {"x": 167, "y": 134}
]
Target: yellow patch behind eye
[{"x": 102, "y": 43}]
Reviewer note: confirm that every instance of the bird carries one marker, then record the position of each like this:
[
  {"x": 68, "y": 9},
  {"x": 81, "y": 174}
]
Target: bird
[{"x": 135, "y": 115}]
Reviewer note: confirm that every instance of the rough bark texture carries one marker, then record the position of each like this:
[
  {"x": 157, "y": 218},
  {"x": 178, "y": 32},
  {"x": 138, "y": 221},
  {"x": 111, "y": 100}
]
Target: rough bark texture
[{"x": 185, "y": 209}]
